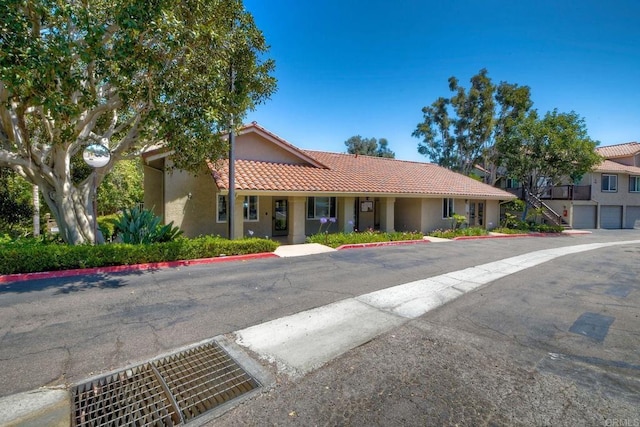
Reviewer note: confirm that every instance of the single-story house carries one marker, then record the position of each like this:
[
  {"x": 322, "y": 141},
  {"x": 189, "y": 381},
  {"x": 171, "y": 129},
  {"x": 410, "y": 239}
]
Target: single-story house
[
  {"x": 282, "y": 191},
  {"x": 607, "y": 197}
]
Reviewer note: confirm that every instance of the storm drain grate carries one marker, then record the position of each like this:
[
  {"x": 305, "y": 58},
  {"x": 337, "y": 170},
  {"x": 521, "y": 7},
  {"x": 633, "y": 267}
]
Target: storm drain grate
[{"x": 168, "y": 391}]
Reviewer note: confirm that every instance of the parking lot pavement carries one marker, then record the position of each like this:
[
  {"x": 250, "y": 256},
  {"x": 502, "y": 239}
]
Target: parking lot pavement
[{"x": 518, "y": 351}]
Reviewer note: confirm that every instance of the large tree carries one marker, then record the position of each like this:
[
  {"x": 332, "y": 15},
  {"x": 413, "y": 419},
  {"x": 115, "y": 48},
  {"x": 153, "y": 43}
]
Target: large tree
[
  {"x": 455, "y": 131},
  {"x": 542, "y": 152},
  {"x": 125, "y": 74},
  {"x": 460, "y": 132},
  {"x": 369, "y": 147}
]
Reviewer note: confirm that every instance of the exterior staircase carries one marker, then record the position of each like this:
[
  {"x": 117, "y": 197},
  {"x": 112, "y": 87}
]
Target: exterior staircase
[{"x": 548, "y": 214}]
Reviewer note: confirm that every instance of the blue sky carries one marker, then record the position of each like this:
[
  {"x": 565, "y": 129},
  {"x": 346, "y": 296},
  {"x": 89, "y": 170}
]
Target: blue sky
[{"x": 367, "y": 68}]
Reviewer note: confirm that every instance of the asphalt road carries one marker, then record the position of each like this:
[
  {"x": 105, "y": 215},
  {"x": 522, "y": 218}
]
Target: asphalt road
[
  {"x": 64, "y": 330},
  {"x": 553, "y": 345}
]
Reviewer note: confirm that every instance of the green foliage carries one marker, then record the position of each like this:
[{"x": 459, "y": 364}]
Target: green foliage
[
  {"x": 515, "y": 205},
  {"x": 511, "y": 225},
  {"x": 122, "y": 188},
  {"x": 369, "y": 147},
  {"x": 32, "y": 255},
  {"x": 546, "y": 151},
  {"x": 513, "y": 222},
  {"x": 451, "y": 233},
  {"x": 141, "y": 226},
  {"x": 456, "y": 131},
  {"x": 107, "y": 226},
  {"x": 16, "y": 209},
  {"x": 457, "y": 221},
  {"x": 123, "y": 73},
  {"x": 546, "y": 228},
  {"x": 335, "y": 240}
]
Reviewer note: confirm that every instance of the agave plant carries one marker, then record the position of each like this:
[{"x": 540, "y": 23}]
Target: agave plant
[{"x": 141, "y": 226}]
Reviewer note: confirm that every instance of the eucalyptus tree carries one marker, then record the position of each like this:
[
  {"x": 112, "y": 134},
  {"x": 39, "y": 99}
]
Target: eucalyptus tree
[
  {"x": 456, "y": 131},
  {"x": 126, "y": 74},
  {"x": 369, "y": 147}
]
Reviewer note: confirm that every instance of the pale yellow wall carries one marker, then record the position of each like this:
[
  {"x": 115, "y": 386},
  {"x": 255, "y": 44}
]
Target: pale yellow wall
[
  {"x": 264, "y": 226},
  {"x": 432, "y": 214},
  {"x": 492, "y": 214},
  {"x": 195, "y": 214},
  {"x": 423, "y": 215},
  {"x": 387, "y": 213},
  {"x": 407, "y": 215},
  {"x": 154, "y": 190},
  {"x": 251, "y": 146}
]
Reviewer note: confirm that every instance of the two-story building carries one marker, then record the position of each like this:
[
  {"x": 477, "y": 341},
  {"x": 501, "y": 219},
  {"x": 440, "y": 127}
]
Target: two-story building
[{"x": 607, "y": 197}]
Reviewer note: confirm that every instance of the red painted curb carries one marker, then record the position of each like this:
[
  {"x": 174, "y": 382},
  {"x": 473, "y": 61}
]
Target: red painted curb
[
  {"x": 21, "y": 277},
  {"x": 506, "y": 236},
  {"x": 376, "y": 244}
]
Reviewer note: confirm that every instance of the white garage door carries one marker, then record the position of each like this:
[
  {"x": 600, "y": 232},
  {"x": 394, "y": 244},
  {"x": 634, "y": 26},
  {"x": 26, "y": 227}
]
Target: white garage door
[
  {"x": 584, "y": 217},
  {"x": 633, "y": 217},
  {"x": 611, "y": 217}
]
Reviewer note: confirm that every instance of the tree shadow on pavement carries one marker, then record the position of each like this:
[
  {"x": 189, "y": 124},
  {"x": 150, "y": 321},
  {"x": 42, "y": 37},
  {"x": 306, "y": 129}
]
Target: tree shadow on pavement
[{"x": 71, "y": 284}]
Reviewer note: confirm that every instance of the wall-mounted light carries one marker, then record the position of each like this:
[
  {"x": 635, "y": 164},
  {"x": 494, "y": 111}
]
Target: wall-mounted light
[{"x": 189, "y": 196}]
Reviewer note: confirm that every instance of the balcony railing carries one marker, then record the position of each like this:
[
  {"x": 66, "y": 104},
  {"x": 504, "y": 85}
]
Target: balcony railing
[{"x": 560, "y": 192}]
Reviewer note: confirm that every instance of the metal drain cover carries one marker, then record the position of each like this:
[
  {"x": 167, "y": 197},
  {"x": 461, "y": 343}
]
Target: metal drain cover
[{"x": 168, "y": 391}]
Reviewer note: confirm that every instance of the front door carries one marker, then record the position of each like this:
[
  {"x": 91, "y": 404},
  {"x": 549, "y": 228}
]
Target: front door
[
  {"x": 476, "y": 214},
  {"x": 280, "y": 218}
]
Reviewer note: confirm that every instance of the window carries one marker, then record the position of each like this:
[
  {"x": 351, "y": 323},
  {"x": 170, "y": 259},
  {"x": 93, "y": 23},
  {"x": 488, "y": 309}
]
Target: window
[
  {"x": 609, "y": 183},
  {"x": 222, "y": 208},
  {"x": 634, "y": 184},
  {"x": 250, "y": 208},
  {"x": 321, "y": 207},
  {"x": 447, "y": 208},
  {"x": 512, "y": 183}
]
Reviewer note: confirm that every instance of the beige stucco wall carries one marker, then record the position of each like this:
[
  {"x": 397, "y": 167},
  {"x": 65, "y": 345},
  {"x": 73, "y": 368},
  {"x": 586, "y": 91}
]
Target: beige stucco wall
[
  {"x": 154, "y": 190},
  {"x": 251, "y": 146},
  {"x": 407, "y": 215},
  {"x": 492, "y": 214},
  {"x": 190, "y": 202},
  {"x": 620, "y": 197}
]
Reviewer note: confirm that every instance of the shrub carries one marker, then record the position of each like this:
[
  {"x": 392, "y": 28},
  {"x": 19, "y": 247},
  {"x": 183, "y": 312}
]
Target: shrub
[
  {"x": 451, "y": 233},
  {"x": 335, "y": 240},
  {"x": 107, "y": 226},
  {"x": 33, "y": 255},
  {"x": 141, "y": 226}
]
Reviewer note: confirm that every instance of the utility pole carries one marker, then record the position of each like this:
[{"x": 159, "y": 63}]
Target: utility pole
[{"x": 231, "y": 204}]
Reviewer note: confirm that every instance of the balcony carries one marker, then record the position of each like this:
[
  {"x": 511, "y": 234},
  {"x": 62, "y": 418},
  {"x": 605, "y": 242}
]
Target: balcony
[{"x": 560, "y": 192}]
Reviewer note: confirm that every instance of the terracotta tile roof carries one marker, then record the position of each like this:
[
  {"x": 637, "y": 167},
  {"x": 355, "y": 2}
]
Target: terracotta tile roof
[
  {"x": 619, "y": 150},
  {"x": 610, "y": 166},
  {"x": 346, "y": 173}
]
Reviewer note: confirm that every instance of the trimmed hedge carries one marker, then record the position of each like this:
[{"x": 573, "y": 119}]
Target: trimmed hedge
[
  {"x": 451, "y": 233},
  {"x": 33, "y": 256},
  {"x": 335, "y": 240}
]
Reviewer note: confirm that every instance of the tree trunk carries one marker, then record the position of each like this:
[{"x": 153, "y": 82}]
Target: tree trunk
[
  {"x": 36, "y": 211},
  {"x": 72, "y": 207}
]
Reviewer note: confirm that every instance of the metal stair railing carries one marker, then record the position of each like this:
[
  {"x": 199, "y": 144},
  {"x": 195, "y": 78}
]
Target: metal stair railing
[{"x": 547, "y": 212}]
